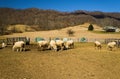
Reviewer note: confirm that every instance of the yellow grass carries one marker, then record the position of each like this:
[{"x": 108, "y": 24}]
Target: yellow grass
[
  {"x": 82, "y": 62},
  {"x": 20, "y": 27},
  {"x": 80, "y": 31}
]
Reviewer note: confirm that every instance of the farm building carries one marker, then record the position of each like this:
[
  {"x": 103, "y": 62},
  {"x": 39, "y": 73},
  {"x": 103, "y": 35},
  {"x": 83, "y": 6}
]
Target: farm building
[{"x": 111, "y": 29}]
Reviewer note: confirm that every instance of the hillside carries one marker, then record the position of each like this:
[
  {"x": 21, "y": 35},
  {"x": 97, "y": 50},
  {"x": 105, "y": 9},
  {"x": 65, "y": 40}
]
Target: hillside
[
  {"x": 20, "y": 28},
  {"x": 80, "y": 31},
  {"x": 40, "y": 19}
]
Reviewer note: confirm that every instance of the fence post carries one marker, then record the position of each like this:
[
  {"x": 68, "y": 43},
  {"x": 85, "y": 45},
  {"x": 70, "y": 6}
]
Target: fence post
[{"x": 27, "y": 40}]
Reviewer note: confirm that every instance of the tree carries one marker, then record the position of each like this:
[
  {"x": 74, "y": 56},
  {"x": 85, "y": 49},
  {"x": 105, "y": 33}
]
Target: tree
[
  {"x": 70, "y": 32},
  {"x": 90, "y": 28}
]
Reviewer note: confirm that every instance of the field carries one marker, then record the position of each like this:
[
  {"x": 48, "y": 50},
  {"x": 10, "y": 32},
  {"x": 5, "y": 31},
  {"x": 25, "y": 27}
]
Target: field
[
  {"x": 80, "y": 31},
  {"x": 82, "y": 62}
]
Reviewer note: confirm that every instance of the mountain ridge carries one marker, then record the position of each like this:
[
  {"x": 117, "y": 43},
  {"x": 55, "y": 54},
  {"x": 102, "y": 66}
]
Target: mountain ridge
[{"x": 52, "y": 19}]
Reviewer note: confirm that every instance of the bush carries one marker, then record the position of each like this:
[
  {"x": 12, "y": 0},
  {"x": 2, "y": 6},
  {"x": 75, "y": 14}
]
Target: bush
[
  {"x": 70, "y": 32},
  {"x": 90, "y": 28}
]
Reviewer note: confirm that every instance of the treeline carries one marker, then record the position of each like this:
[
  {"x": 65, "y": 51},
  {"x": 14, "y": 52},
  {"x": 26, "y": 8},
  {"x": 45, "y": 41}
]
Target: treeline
[{"x": 40, "y": 19}]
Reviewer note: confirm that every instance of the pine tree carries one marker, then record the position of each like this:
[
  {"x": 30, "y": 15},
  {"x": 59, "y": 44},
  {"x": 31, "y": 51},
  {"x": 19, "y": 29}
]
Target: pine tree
[{"x": 90, "y": 28}]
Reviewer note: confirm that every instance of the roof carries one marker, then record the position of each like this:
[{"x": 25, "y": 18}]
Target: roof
[{"x": 109, "y": 27}]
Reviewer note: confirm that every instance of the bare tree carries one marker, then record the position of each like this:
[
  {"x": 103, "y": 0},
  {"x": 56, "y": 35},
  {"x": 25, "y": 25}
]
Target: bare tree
[{"x": 70, "y": 32}]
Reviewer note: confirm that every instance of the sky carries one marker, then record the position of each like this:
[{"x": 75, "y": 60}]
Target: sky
[{"x": 64, "y": 5}]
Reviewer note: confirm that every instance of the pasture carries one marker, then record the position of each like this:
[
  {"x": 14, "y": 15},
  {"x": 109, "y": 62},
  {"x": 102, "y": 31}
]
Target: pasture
[{"x": 82, "y": 62}]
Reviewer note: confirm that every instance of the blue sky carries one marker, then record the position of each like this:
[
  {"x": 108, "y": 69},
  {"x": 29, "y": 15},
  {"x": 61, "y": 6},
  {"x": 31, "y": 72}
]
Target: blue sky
[{"x": 64, "y": 5}]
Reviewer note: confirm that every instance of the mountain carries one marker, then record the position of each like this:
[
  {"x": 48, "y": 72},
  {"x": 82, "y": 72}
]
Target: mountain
[{"x": 40, "y": 19}]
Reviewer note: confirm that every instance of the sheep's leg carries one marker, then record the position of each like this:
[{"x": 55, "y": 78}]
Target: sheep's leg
[
  {"x": 17, "y": 50},
  {"x": 61, "y": 47},
  {"x": 20, "y": 49},
  {"x": 13, "y": 49},
  {"x": 95, "y": 46},
  {"x": 73, "y": 45},
  {"x": 115, "y": 47},
  {"x": 111, "y": 49},
  {"x": 67, "y": 47},
  {"x": 49, "y": 47},
  {"x": 55, "y": 48},
  {"x": 99, "y": 47},
  {"x": 23, "y": 49}
]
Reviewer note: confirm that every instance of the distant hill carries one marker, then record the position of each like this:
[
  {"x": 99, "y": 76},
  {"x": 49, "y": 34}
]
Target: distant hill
[
  {"x": 80, "y": 31},
  {"x": 40, "y": 19}
]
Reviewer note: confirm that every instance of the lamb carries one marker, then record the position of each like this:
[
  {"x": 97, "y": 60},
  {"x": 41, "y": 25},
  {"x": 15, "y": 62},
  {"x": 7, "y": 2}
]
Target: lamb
[
  {"x": 111, "y": 45},
  {"x": 98, "y": 45},
  {"x": 69, "y": 44},
  {"x": 43, "y": 44},
  {"x": 19, "y": 46}
]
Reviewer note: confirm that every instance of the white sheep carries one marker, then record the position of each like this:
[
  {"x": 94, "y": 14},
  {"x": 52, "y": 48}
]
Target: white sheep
[
  {"x": 97, "y": 45},
  {"x": 19, "y": 46},
  {"x": 57, "y": 44},
  {"x": 60, "y": 44},
  {"x": 53, "y": 45},
  {"x": 3, "y": 45},
  {"x": 111, "y": 45},
  {"x": 43, "y": 44},
  {"x": 69, "y": 44}
]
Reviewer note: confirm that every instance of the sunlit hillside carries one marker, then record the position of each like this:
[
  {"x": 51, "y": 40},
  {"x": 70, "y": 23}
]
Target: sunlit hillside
[
  {"x": 20, "y": 28},
  {"x": 80, "y": 31}
]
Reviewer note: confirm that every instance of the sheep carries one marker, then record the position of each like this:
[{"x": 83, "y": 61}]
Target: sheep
[
  {"x": 19, "y": 46},
  {"x": 3, "y": 45},
  {"x": 97, "y": 45},
  {"x": 111, "y": 45},
  {"x": 60, "y": 44},
  {"x": 43, "y": 44},
  {"x": 57, "y": 45},
  {"x": 69, "y": 44},
  {"x": 53, "y": 45}
]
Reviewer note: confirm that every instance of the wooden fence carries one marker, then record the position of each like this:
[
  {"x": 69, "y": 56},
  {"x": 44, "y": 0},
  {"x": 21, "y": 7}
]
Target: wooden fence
[
  {"x": 113, "y": 39},
  {"x": 11, "y": 40}
]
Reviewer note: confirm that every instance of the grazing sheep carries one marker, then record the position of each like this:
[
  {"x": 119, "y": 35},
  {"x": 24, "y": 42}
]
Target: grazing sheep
[
  {"x": 111, "y": 45},
  {"x": 57, "y": 45},
  {"x": 53, "y": 45},
  {"x": 19, "y": 46},
  {"x": 97, "y": 45},
  {"x": 43, "y": 44},
  {"x": 69, "y": 44},
  {"x": 3, "y": 45},
  {"x": 60, "y": 44}
]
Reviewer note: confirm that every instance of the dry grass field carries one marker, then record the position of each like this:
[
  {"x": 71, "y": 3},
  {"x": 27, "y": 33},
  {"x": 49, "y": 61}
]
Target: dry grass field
[{"x": 82, "y": 62}]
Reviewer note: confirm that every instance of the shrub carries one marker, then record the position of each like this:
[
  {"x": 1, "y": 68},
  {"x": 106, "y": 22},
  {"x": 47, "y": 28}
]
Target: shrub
[{"x": 70, "y": 32}]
